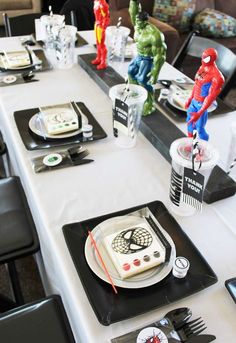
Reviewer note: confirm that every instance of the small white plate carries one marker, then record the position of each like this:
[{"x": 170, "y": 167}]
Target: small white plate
[
  {"x": 144, "y": 279},
  {"x": 35, "y": 127}
]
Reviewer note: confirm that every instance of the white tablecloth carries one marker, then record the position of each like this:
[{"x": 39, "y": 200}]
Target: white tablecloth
[{"x": 118, "y": 179}]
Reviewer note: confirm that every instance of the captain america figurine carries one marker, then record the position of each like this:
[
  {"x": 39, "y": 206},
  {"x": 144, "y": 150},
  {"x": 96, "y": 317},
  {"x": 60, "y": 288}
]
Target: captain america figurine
[{"x": 208, "y": 84}]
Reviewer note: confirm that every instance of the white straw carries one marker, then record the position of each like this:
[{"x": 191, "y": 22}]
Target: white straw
[
  {"x": 115, "y": 39},
  {"x": 231, "y": 166},
  {"x": 196, "y": 150}
]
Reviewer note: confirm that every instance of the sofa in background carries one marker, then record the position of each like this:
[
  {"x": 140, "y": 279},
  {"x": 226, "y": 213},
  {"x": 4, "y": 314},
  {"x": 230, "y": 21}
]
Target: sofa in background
[
  {"x": 19, "y": 7},
  {"x": 174, "y": 37}
]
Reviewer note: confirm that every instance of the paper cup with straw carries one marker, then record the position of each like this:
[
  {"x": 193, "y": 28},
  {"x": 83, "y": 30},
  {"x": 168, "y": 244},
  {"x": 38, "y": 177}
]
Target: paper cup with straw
[
  {"x": 127, "y": 104},
  {"x": 194, "y": 154},
  {"x": 116, "y": 40}
]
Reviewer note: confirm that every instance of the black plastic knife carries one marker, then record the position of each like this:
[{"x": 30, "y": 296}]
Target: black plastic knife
[
  {"x": 84, "y": 161},
  {"x": 201, "y": 339}
]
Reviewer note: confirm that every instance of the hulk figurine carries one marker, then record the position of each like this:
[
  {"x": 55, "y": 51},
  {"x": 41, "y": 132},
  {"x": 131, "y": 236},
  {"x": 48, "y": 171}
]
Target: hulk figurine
[{"x": 145, "y": 67}]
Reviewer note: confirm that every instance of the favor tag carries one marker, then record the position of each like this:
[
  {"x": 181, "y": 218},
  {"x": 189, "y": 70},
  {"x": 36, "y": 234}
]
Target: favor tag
[
  {"x": 52, "y": 160},
  {"x": 120, "y": 117},
  {"x": 193, "y": 186}
]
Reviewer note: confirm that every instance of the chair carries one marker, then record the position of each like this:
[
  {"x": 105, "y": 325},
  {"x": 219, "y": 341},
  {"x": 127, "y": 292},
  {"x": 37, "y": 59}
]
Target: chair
[
  {"x": 25, "y": 24},
  {"x": 194, "y": 47},
  {"x": 42, "y": 321},
  {"x": 82, "y": 11},
  {"x": 20, "y": 25},
  {"x": 18, "y": 236},
  {"x": 19, "y": 7}
]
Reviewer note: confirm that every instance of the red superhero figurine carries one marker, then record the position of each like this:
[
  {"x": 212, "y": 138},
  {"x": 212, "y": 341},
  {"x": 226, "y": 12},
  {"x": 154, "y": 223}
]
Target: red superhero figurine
[
  {"x": 102, "y": 20},
  {"x": 207, "y": 86}
]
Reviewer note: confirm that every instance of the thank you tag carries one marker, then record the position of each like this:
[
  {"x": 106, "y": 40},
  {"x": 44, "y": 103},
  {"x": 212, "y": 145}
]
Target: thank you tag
[
  {"x": 120, "y": 117},
  {"x": 193, "y": 186}
]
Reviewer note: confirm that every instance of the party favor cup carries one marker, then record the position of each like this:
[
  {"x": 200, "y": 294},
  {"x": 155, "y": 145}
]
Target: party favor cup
[
  {"x": 116, "y": 40},
  {"x": 181, "y": 154},
  {"x": 127, "y": 104}
]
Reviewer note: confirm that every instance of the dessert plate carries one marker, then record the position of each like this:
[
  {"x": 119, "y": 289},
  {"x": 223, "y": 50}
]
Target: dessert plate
[
  {"x": 4, "y": 65},
  {"x": 36, "y": 125},
  {"x": 144, "y": 279}
]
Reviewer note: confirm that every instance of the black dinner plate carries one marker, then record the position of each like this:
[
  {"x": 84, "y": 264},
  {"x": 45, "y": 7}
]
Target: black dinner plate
[
  {"x": 110, "y": 308},
  {"x": 35, "y": 142}
]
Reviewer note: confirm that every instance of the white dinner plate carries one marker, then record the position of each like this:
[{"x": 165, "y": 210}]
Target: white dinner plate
[
  {"x": 174, "y": 104},
  {"x": 35, "y": 127},
  {"x": 15, "y": 68},
  {"x": 144, "y": 279}
]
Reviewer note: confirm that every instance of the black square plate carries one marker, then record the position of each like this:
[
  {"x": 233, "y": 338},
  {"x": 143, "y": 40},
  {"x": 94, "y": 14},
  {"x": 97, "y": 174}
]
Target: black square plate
[
  {"x": 34, "y": 142},
  {"x": 110, "y": 308}
]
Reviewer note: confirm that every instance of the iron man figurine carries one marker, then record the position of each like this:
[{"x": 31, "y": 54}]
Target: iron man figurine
[
  {"x": 208, "y": 84},
  {"x": 102, "y": 20}
]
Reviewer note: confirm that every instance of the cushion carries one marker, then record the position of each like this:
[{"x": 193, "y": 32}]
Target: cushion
[
  {"x": 179, "y": 16},
  {"x": 213, "y": 23},
  {"x": 7, "y": 5}
]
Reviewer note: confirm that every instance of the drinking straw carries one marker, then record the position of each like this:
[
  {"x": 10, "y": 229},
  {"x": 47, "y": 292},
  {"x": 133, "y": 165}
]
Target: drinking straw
[
  {"x": 131, "y": 122},
  {"x": 231, "y": 166},
  {"x": 115, "y": 38},
  {"x": 102, "y": 262},
  {"x": 196, "y": 150},
  {"x": 232, "y": 149},
  {"x": 50, "y": 11}
]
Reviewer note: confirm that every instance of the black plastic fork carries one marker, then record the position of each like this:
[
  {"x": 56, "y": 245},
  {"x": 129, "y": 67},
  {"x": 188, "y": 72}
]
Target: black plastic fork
[{"x": 192, "y": 328}]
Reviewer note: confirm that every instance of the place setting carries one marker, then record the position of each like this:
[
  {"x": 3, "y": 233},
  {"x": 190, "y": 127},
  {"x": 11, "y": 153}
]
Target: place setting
[
  {"x": 137, "y": 259},
  {"x": 57, "y": 125},
  {"x": 171, "y": 96},
  {"x": 21, "y": 61}
]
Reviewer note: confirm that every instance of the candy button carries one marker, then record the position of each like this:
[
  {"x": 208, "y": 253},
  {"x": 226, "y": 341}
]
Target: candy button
[
  {"x": 136, "y": 262},
  {"x": 146, "y": 258},
  {"x": 156, "y": 254},
  {"x": 126, "y": 266}
]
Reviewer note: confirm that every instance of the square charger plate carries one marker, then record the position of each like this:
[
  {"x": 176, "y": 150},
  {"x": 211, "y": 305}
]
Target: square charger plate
[
  {"x": 34, "y": 142},
  {"x": 109, "y": 307}
]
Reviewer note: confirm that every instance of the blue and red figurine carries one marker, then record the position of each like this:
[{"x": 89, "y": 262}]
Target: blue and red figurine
[{"x": 208, "y": 84}]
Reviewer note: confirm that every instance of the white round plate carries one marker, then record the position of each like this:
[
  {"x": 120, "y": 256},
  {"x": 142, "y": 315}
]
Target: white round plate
[
  {"x": 174, "y": 104},
  {"x": 35, "y": 127},
  {"x": 144, "y": 279}
]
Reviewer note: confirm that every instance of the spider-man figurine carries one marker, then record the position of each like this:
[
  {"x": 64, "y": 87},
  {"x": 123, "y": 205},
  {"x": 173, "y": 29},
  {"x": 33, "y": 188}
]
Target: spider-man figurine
[
  {"x": 208, "y": 84},
  {"x": 102, "y": 20}
]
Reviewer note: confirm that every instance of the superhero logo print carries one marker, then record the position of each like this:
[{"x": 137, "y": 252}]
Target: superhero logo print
[
  {"x": 132, "y": 240},
  {"x": 151, "y": 335}
]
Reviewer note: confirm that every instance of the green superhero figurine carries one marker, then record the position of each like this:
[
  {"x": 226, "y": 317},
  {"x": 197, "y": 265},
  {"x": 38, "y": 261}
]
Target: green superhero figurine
[{"x": 144, "y": 69}]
